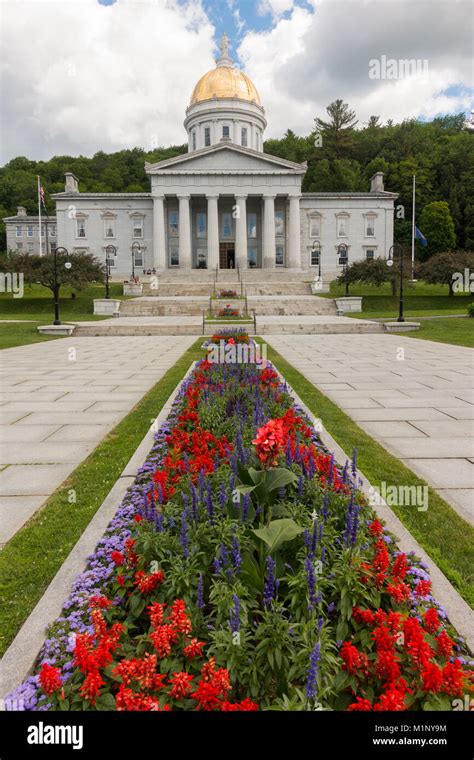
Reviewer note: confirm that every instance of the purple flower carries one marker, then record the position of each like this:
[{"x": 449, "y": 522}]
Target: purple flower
[
  {"x": 269, "y": 589},
  {"x": 234, "y": 617},
  {"x": 312, "y": 672},
  {"x": 200, "y": 592}
]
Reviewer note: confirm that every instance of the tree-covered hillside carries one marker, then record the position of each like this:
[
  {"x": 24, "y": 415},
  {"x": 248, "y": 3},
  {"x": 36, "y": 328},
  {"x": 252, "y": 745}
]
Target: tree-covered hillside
[{"x": 342, "y": 155}]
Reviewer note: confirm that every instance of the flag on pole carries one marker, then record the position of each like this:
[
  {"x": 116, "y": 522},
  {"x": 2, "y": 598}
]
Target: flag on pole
[
  {"x": 419, "y": 236},
  {"x": 40, "y": 200}
]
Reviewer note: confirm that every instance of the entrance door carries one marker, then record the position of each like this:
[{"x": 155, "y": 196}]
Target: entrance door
[{"x": 227, "y": 256}]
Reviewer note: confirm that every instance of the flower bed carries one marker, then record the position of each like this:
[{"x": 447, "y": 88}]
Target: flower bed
[
  {"x": 228, "y": 312},
  {"x": 243, "y": 571}
]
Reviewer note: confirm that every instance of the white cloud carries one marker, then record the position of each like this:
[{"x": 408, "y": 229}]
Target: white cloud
[
  {"x": 276, "y": 7},
  {"x": 78, "y": 76},
  {"x": 311, "y": 58}
]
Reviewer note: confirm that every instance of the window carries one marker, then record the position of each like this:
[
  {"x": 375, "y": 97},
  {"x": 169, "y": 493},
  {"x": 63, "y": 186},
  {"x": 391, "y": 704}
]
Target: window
[
  {"x": 110, "y": 259},
  {"x": 52, "y": 230},
  {"x": 201, "y": 227},
  {"x": 252, "y": 225},
  {"x": 19, "y": 246},
  {"x": 341, "y": 226},
  {"x": 315, "y": 226},
  {"x": 138, "y": 257},
  {"x": 174, "y": 255},
  {"x": 279, "y": 223},
  {"x": 207, "y": 136},
  {"x": 370, "y": 226},
  {"x": 193, "y": 139},
  {"x": 370, "y": 254},
  {"x": 137, "y": 228},
  {"x": 30, "y": 230},
  {"x": 252, "y": 257},
  {"x": 52, "y": 247},
  {"x": 315, "y": 254},
  {"x": 43, "y": 230},
  {"x": 257, "y": 141},
  {"x": 30, "y": 247},
  {"x": 80, "y": 228},
  {"x": 225, "y": 131},
  {"x": 19, "y": 231},
  {"x": 343, "y": 256},
  {"x": 173, "y": 223},
  {"x": 226, "y": 225},
  {"x": 243, "y": 137},
  {"x": 279, "y": 256},
  {"x": 109, "y": 228}
]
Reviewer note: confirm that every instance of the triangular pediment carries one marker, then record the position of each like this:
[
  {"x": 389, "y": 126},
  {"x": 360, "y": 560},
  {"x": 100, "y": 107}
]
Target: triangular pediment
[{"x": 225, "y": 159}]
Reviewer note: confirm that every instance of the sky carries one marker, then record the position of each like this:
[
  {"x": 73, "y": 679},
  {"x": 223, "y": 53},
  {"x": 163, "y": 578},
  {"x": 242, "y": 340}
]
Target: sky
[{"x": 79, "y": 76}]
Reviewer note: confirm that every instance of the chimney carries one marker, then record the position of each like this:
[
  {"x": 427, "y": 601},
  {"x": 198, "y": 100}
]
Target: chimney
[
  {"x": 72, "y": 183},
  {"x": 20, "y": 211},
  {"x": 376, "y": 183}
]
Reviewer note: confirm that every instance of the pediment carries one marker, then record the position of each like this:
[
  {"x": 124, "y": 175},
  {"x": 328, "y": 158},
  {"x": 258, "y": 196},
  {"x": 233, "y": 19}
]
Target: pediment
[{"x": 226, "y": 159}]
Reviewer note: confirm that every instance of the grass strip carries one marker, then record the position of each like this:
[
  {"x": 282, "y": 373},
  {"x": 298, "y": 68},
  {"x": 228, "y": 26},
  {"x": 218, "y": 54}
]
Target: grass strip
[
  {"x": 30, "y": 560},
  {"x": 442, "y": 533},
  {"x": 458, "y": 332}
]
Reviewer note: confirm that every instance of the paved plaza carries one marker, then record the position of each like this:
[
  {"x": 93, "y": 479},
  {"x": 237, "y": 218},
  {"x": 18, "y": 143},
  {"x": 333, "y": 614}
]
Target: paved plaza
[
  {"x": 415, "y": 397},
  {"x": 57, "y": 402}
]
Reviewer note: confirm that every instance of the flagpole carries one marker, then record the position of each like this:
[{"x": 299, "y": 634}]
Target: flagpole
[
  {"x": 413, "y": 232},
  {"x": 39, "y": 214}
]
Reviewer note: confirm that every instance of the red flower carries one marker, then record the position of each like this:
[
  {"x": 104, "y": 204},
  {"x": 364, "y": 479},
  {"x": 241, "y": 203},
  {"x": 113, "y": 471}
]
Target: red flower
[
  {"x": 178, "y": 617},
  {"x": 270, "y": 442},
  {"x": 100, "y": 602},
  {"x": 207, "y": 696},
  {"x": 118, "y": 558},
  {"x": 162, "y": 638},
  {"x": 423, "y": 588},
  {"x": 445, "y": 644},
  {"x": 431, "y": 620},
  {"x": 90, "y": 689},
  {"x": 453, "y": 679},
  {"x": 360, "y": 704},
  {"x": 353, "y": 659},
  {"x": 138, "y": 518},
  {"x": 431, "y": 677},
  {"x": 398, "y": 591},
  {"x": 393, "y": 699},
  {"x": 156, "y": 611},
  {"x": 181, "y": 685},
  {"x": 193, "y": 649},
  {"x": 400, "y": 567},
  {"x": 245, "y": 706},
  {"x": 375, "y": 528},
  {"x": 363, "y": 616},
  {"x": 50, "y": 678},
  {"x": 147, "y": 583}
]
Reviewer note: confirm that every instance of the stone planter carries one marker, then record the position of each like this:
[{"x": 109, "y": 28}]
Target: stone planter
[
  {"x": 220, "y": 303},
  {"x": 349, "y": 303},
  {"x": 132, "y": 288},
  {"x": 108, "y": 306},
  {"x": 401, "y": 326},
  {"x": 56, "y": 329}
]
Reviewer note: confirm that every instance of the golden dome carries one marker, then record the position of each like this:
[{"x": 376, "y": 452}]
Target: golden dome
[{"x": 225, "y": 82}]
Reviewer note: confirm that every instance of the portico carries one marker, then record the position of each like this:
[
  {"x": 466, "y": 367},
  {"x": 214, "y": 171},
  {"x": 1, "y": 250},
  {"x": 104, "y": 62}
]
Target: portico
[{"x": 226, "y": 207}]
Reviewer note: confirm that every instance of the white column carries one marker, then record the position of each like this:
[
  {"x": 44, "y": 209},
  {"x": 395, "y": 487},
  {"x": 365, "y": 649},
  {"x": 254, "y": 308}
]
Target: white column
[
  {"x": 241, "y": 231},
  {"x": 268, "y": 231},
  {"x": 185, "y": 261},
  {"x": 159, "y": 236},
  {"x": 294, "y": 247},
  {"x": 212, "y": 231}
]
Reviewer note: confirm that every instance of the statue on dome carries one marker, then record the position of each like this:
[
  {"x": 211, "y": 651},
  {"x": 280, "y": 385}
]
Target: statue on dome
[{"x": 224, "y": 58}]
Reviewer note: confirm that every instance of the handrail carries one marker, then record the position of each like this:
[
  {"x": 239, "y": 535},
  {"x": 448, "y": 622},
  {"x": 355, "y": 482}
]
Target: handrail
[{"x": 203, "y": 322}]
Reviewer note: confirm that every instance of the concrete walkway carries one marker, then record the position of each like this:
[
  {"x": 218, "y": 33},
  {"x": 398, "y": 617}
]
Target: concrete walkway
[
  {"x": 415, "y": 397},
  {"x": 58, "y": 400}
]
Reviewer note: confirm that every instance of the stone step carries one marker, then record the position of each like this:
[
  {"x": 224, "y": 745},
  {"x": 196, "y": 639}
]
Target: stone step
[
  {"x": 280, "y": 305},
  {"x": 316, "y": 325}
]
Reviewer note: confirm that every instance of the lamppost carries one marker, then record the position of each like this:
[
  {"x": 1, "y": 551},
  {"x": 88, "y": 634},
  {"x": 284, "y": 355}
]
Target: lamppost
[
  {"x": 110, "y": 251},
  {"x": 342, "y": 253},
  {"x": 67, "y": 265},
  {"x": 399, "y": 248},
  {"x": 136, "y": 248}
]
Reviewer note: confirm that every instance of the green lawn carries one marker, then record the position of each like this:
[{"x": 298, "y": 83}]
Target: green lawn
[
  {"x": 29, "y": 561},
  {"x": 444, "y": 535},
  {"x": 37, "y": 303},
  {"x": 459, "y": 332},
  {"x": 420, "y": 300},
  {"x": 37, "y": 308}
]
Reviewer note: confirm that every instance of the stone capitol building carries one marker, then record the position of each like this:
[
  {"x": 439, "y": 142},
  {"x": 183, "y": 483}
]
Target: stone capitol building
[{"x": 224, "y": 204}]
